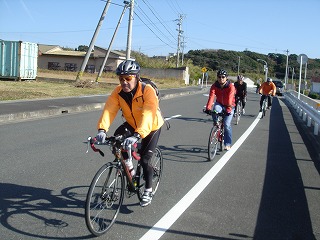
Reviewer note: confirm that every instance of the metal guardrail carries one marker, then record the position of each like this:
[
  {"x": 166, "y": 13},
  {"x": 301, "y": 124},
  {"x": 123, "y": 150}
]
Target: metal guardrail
[{"x": 306, "y": 109}]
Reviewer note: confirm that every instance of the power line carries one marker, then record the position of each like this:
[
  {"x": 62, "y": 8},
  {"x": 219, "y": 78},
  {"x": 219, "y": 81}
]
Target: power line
[
  {"x": 152, "y": 23},
  {"x": 153, "y": 31},
  {"x": 161, "y": 21}
]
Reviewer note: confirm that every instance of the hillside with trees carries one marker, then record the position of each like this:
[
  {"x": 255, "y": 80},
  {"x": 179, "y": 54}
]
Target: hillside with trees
[
  {"x": 229, "y": 60},
  {"x": 215, "y": 59}
]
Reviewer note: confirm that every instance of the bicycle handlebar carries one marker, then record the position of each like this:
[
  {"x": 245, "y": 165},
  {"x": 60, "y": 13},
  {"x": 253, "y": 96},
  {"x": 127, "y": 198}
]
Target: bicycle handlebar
[
  {"x": 211, "y": 112},
  {"x": 112, "y": 140}
]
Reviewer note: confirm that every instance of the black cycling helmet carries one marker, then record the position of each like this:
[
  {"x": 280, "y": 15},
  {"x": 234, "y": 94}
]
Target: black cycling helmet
[
  {"x": 240, "y": 77},
  {"x": 222, "y": 72},
  {"x": 269, "y": 80},
  {"x": 128, "y": 67}
]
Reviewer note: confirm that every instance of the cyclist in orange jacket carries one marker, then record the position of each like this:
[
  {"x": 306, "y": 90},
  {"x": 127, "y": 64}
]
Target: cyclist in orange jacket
[
  {"x": 140, "y": 108},
  {"x": 267, "y": 89}
]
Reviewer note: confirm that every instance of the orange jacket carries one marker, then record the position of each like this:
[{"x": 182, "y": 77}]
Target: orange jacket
[
  {"x": 224, "y": 95},
  {"x": 266, "y": 89},
  {"x": 143, "y": 115}
]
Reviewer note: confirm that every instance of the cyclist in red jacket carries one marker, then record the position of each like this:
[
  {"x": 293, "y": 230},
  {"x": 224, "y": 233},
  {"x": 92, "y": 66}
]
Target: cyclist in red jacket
[{"x": 224, "y": 91}]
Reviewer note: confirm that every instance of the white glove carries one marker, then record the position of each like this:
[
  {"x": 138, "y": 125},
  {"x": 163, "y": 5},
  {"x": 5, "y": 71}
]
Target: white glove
[
  {"x": 101, "y": 136},
  {"x": 128, "y": 142}
]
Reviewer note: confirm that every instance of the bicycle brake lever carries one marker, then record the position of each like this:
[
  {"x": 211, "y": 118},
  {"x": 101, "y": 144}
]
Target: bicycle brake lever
[{"x": 88, "y": 143}]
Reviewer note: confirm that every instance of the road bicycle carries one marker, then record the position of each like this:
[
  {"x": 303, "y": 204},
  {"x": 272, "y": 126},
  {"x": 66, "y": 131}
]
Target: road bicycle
[
  {"x": 113, "y": 179},
  {"x": 238, "y": 111},
  {"x": 216, "y": 136}
]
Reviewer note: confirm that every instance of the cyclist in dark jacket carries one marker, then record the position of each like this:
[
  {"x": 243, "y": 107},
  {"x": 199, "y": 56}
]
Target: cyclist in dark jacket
[{"x": 241, "y": 91}]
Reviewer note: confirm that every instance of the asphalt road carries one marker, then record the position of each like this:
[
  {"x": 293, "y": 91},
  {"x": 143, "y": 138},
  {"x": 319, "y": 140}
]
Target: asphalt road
[{"x": 266, "y": 187}]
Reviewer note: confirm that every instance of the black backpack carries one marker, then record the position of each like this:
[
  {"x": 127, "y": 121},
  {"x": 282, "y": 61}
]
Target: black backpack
[
  {"x": 152, "y": 83},
  {"x": 146, "y": 81}
]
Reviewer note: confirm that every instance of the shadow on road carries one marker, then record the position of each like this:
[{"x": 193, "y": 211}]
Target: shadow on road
[
  {"x": 36, "y": 213},
  {"x": 283, "y": 212}
]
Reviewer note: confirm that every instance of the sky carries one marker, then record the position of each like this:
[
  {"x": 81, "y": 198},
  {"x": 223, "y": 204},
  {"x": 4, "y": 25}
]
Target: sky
[{"x": 262, "y": 26}]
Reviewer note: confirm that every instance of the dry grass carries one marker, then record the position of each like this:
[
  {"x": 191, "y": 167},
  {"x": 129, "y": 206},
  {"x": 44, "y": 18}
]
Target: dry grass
[{"x": 51, "y": 84}]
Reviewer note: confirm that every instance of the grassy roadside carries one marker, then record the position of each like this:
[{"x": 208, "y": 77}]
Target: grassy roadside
[{"x": 51, "y": 84}]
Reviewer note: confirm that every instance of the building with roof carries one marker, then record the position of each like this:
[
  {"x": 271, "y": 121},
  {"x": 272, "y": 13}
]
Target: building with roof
[
  {"x": 315, "y": 84},
  {"x": 54, "y": 57}
]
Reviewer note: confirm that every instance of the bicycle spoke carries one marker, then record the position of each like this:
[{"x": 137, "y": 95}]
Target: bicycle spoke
[
  {"x": 213, "y": 143},
  {"x": 157, "y": 166},
  {"x": 104, "y": 199}
]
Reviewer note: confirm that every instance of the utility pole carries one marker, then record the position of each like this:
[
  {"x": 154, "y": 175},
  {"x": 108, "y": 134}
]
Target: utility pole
[
  {"x": 179, "y": 36},
  {"x": 182, "y": 52},
  {"x": 129, "y": 38},
  {"x": 286, "y": 76},
  {"x": 111, "y": 42},
  {"x": 86, "y": 58}
]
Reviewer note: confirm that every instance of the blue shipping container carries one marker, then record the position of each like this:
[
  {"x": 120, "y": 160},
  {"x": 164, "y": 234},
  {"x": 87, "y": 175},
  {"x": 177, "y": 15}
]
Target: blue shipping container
[{"x": 19, "y": 60}]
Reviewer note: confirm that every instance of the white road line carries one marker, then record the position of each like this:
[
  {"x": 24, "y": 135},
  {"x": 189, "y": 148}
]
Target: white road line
[{"x": 174, "y": 213}]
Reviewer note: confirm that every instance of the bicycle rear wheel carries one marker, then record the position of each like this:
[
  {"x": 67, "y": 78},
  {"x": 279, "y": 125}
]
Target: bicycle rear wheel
[
  {"x": 104, "y": 199},
  {"x": 213, "y": 143},
  {"x": 157, "y": 166}
]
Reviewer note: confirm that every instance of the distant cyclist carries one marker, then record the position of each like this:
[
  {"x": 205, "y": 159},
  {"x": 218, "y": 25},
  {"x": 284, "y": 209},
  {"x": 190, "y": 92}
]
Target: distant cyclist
[
  {"x": 258, "y": 85},
  {"x": 267, "y": 89},
  {"x": 241, "y": 91},
  {"x": 223, "y": 90}
]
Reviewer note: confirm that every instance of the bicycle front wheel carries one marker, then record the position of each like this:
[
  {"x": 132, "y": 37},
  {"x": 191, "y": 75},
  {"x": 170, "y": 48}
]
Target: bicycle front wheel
[
  {"x": 238, "y": 113},
  {"x": 157, "y": 167},
  {"x": 104, "y": 199},
  {"x": 264, "y": 108},
  {"x": 213, "y": 143}
]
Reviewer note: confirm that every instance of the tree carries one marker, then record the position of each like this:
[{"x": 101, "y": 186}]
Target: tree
[{"x": 83, "y": 48}]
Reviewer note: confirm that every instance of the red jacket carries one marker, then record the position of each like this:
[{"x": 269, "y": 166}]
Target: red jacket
[{"x": 224, "y": 95}]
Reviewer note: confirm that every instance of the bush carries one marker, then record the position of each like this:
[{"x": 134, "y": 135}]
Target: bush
[{"x": 314, "y": 95}]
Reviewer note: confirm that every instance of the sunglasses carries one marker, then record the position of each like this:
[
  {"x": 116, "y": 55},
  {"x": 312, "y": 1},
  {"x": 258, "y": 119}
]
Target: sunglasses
[
  {"x": 221, "y": 76},
  {"x": 127, "y": 78}
]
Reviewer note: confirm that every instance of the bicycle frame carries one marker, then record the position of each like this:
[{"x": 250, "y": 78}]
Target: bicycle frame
[{"x": 119, "y": 161}]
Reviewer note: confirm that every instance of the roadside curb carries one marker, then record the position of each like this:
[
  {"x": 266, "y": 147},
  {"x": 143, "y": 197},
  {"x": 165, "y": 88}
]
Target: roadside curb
[{"x": 43, "y": 113}]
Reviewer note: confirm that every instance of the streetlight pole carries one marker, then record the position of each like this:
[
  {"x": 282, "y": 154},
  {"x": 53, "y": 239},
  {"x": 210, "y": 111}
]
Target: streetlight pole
[
  {"x": 238, "y": 65},
  {"x": 286, "y": 75},
  {"x": 292, "y": 76},
  {"x": 265, "y": 68}
]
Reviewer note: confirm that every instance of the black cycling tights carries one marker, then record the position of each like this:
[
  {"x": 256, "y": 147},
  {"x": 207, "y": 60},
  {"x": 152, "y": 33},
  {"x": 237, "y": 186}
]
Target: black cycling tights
[{"x": 148, "y": 146}]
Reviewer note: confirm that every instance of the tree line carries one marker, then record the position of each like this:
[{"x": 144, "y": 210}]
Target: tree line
[
  {"x": 229, "y": 60},
  {"x": 246, "y": 61}
]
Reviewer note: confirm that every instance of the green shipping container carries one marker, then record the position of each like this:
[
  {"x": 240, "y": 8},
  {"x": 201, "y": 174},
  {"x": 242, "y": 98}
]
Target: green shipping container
[{"x": 19, "y": 60}]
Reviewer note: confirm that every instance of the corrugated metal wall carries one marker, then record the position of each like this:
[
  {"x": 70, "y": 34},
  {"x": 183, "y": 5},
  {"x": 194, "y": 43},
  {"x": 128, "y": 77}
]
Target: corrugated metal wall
[{"x": 18, "y": 60}]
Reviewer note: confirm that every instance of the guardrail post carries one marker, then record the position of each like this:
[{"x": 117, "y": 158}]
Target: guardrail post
[
  {"x": 316, "y": 128},
  {"x": 309, "y": 122},
  {"x": 300, "y": 112},
  {"x": 304, "y": 118}
]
